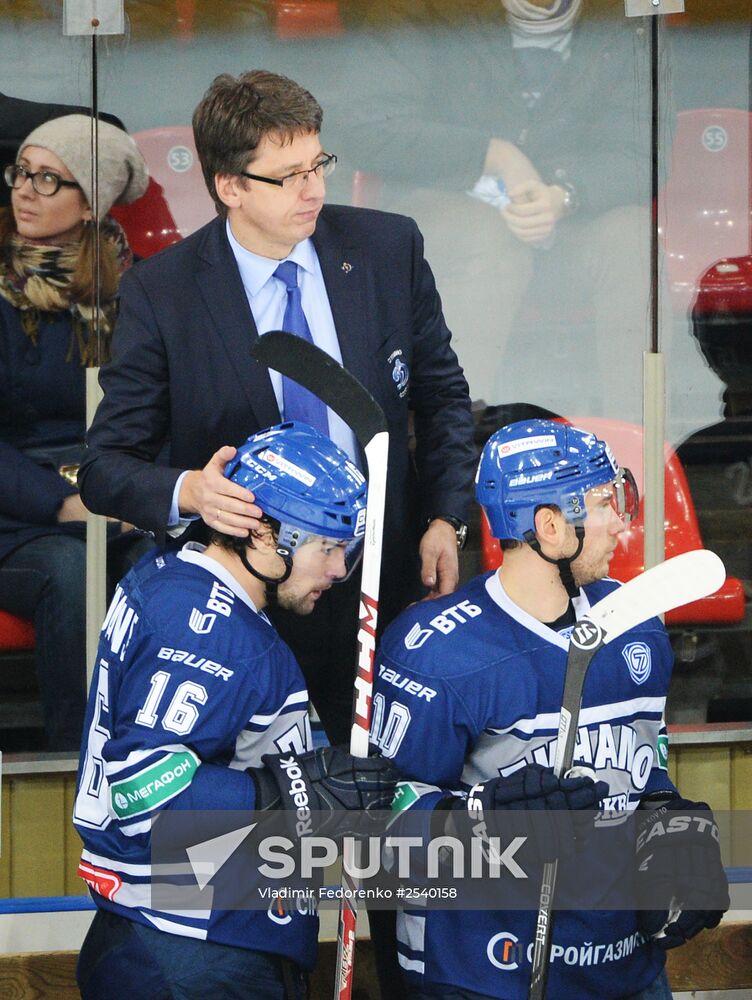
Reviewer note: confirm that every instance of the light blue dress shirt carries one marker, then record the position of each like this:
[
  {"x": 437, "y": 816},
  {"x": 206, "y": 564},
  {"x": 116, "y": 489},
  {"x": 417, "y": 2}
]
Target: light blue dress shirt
[{"x": 267, "y": 297}]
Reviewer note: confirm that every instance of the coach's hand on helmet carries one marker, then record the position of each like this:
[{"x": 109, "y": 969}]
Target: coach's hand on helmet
[
  {"x": 223, "y": 505},
  {"x": 327, "y": 791}
]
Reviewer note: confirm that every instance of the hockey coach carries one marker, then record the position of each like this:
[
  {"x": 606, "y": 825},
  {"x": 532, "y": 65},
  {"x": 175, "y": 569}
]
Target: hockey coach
[
  {"x": 182, "y": 386},
  {"x": 494, "y": 657},
  {"x": 197, "y": 704}
]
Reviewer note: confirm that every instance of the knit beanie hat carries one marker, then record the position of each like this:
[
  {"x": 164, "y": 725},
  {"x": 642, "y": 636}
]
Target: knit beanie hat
[{"x": 123, "y": 176}]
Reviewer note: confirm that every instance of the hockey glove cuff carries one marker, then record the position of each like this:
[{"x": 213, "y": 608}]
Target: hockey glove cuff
[
  {"x": 326, "y": 790},
  {"x": 681, "y": 885},
  {"x": 572, "y": 802}
]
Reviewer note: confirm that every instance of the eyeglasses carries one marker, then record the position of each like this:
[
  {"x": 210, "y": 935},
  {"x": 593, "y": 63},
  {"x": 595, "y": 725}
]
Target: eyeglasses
[
  {"x": 44, "y": 182},
  {"x": 298, "y": 180}
]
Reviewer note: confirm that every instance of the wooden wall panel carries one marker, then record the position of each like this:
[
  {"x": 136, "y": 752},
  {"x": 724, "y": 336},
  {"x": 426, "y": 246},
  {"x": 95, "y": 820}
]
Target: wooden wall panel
[{"x": 37, "y": 817}]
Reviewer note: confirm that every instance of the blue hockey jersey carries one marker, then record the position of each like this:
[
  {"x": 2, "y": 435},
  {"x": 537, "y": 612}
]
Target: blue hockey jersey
[
  {"x": 192, "y": 685},
  {"x": 469, "y": 687}
]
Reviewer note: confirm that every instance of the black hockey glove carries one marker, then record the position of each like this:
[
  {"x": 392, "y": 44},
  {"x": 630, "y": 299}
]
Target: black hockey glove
[
  {"x": 681, "y": 885},
  {"x": 533, "y": 789},
  {"x": 328, "y": 791}
]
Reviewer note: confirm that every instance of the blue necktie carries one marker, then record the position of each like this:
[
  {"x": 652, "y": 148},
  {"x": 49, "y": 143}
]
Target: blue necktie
[{"x": 299, "y": 403}]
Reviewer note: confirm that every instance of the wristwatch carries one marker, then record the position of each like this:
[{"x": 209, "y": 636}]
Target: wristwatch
[
  {"x": 571, "y": 202},
  {"x": 460, "y": 528}
]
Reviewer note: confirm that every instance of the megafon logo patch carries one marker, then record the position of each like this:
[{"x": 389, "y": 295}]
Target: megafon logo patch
[
  {"x": 637, "y": 655},
  {"x": 503, "y": 951}
]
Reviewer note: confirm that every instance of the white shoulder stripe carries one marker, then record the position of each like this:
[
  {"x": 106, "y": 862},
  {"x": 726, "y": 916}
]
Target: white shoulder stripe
[
  {"x": 126, "y": 868},
  {"x": 172, "y": 927},
  {"x": 296, "y": 698},
  {"x": 112, "y": 767},
  {"x": 588, "y": 716}
]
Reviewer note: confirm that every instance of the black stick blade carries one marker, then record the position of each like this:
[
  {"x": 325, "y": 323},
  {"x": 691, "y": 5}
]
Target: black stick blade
[{"x": 316, "y": 371}]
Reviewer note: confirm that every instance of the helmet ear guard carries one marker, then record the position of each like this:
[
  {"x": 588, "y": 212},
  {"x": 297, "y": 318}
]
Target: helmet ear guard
[
  {"x": 308, "y": 485},
  {"x": 538, "y": 463}
]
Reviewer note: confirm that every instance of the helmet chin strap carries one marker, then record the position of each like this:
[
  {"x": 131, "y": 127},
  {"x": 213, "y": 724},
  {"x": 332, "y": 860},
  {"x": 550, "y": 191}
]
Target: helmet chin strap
[
  {"x": 565, "y": 563},
  {"x": 271, "y": 583}
]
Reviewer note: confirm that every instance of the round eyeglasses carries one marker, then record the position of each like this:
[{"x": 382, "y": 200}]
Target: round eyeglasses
[{"x": 44, "y": 182}]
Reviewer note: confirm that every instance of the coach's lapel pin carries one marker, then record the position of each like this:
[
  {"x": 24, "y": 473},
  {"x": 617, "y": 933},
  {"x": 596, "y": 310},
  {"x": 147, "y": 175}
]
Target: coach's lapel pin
[{"x": 346, "y": 267}]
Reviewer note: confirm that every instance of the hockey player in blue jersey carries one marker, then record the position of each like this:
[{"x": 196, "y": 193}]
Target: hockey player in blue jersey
[
  {"x": 196, "y": 703},
  {"x": 466, "y": 702}
]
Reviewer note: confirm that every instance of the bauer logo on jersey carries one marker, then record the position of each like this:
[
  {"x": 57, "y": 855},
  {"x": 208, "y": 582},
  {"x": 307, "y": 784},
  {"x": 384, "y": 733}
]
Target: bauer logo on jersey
[{"x": 637, "y": 655}]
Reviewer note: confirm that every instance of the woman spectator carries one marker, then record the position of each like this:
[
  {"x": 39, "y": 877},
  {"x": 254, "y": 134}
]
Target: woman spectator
[{"x": 47, "y": 339}]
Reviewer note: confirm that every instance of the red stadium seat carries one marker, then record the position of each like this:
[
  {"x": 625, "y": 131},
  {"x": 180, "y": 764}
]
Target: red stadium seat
[
  {"x": 179, "y": 202},
  {"x": 307, "y": 19},
  {"x": 16, "y": 634},
  {"x": 148, "y": 222},
  {"x": 704, "y": 208},
  {"x": 724, "y": 607}
]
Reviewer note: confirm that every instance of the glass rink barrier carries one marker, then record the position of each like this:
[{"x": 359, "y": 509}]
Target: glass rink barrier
[{"x": 580, "y": 174}]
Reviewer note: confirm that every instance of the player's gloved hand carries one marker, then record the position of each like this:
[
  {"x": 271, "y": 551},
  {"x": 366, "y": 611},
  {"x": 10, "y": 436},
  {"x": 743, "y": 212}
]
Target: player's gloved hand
[
  {"x": 533, "y": 789},
  {"x": 681, "y": 885},
  {"x": 327, "y": 790}
]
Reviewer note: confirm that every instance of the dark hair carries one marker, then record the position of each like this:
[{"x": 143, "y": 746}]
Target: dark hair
[
  {"x": 236, "y": 113},
  {"x": 507, "y": 544},
  {"x": 234, "y": 544}
]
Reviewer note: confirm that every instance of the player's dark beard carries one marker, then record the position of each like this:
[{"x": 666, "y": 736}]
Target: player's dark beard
[{"x": 296, "y": 603}]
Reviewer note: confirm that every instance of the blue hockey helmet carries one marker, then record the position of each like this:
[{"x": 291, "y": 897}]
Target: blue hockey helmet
[
  {"x": 303, "y": 480},
  {"x": 534, "y": 463}
]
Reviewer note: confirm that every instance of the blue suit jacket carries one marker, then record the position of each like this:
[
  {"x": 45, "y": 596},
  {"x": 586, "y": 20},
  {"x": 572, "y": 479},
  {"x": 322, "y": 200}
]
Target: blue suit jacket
[{"x": 182, "y": 380}]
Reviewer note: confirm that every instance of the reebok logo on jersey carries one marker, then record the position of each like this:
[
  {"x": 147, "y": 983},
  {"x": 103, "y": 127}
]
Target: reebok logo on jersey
[
  {"x": 298, "y": 792},
  {"x": 637, "y": 655}
]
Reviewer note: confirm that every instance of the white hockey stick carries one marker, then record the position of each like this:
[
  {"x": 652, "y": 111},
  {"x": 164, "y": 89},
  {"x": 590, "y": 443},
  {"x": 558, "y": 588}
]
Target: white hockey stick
[
  {"x": 675, "y": 582},
  {"x": 342, "y": 392}
]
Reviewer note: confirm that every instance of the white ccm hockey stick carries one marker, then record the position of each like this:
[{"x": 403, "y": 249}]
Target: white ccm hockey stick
[
  {"x": 672, "y": 583},
  {"x": 342, "y": 392}
]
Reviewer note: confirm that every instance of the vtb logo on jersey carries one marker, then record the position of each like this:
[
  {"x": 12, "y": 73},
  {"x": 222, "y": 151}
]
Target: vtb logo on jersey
[
  {"x": 201, "y": 623},
  {"x": 637, "y": 655},
  {"x": 587, "y": 635},
  {"x": 417, "y": 636}
]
